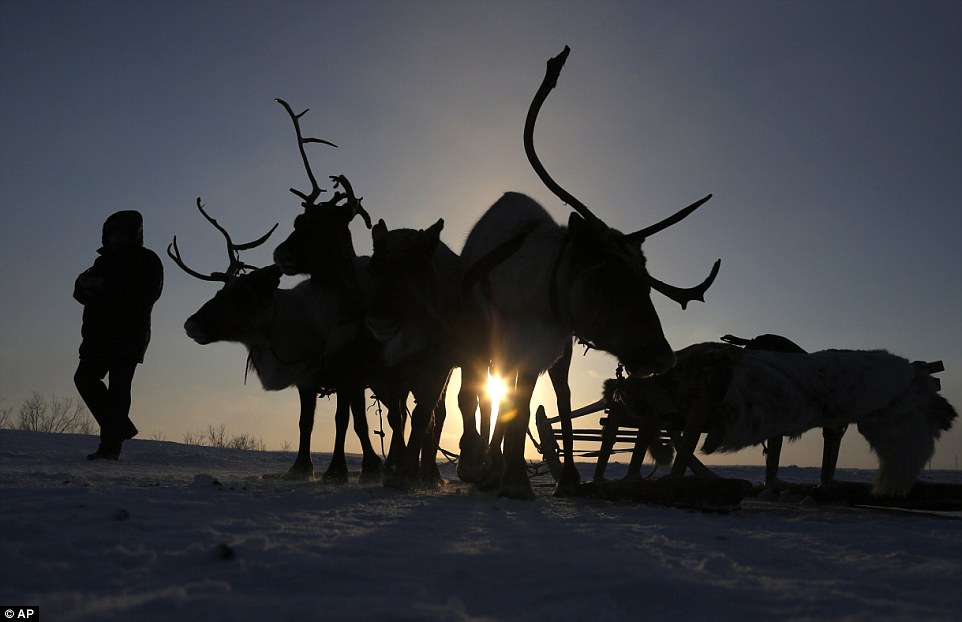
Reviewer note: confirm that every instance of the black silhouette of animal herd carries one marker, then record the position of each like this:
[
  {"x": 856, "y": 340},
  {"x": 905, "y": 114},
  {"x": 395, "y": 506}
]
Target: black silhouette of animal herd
[{"x": 510, "y": 304}]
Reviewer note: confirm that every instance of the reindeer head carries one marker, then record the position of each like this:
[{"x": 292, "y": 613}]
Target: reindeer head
[
  {"x": 613, "y": 311},
  {"x": 412, "y": 284},
  {"x": 243, "y": 299},
  {"x": 320, "y": 244}
]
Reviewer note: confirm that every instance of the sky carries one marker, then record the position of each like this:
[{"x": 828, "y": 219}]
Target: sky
[{"x": 828, "y": 133}]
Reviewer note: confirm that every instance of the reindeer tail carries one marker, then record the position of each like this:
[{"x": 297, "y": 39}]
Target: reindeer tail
[
  {"x": 903, "y": 436},
  {"x": 942, "y": 416}
]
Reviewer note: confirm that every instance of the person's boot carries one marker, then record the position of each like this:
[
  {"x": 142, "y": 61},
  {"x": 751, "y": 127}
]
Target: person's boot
[
  {"x": 129, "y": 429},
  {"x": 106, "y": 451}
]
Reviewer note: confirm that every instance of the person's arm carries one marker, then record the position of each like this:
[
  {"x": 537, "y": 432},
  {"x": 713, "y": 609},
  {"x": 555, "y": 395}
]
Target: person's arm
[{"x": 88, "y": 285}]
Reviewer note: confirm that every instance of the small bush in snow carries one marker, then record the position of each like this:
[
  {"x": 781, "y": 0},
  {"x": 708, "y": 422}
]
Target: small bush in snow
[
  {"x": 54, "y": 414},
  {"x": 218, "y": 437}
]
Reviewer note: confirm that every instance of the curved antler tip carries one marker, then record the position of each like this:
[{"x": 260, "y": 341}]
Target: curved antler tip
[{"x": 554, "y": 66}]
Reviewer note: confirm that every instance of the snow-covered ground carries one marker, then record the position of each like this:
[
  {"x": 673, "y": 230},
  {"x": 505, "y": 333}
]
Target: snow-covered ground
[{"x": 176, "y": 532}]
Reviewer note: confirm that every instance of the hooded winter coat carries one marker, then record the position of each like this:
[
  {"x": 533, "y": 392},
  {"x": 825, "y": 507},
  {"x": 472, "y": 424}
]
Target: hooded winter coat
[{"x": 118, "y": 293}]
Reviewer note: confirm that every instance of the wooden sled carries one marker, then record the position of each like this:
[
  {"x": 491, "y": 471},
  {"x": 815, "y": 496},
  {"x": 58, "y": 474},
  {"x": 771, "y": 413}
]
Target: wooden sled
[
  {"x": 703, "y": 490},
  {"x": 618, "y": 427}
]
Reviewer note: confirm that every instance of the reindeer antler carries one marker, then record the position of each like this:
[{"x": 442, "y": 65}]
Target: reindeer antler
[
  {"x": 307, "y": 199},
  {"x": 353, "y": 202},
  {"x": 680, "y": 295},
  {"x": 547, "y": 85},
  {"x": 175, "y": 255},
  {"x": 684, "y": 295},
  {"x": 234, "y": 267}
]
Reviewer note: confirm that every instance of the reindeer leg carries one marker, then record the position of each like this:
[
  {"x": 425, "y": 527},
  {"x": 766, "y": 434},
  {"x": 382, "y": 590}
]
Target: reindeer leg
[
  {"x": 485, "y": 409},
  {"x": 515, "y": 483},
  {"x": 831, "y": 443},
  {"x": 558, "y": 373},
  {"x": 697, "y": 414},
  {"x": 430, "y": 475},
  {"x": 609, "y": 432},
  {"x": 494, "y": 462},
  {"x": 397, "y": 415},
  {"x": 371, "y": 462},
  {"x": 648, "y": 430},
  {"x": 303, "y": 468},
  {"x": 337, "y": 472},
  {"x": 427, "y": 389},
  {"x": 471, "y": 460},
  {"x": 773, "y": 454}
]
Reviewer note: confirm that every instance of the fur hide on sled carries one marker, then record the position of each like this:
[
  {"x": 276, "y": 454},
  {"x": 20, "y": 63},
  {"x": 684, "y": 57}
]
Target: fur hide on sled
[{"x": 755, "y": 395}]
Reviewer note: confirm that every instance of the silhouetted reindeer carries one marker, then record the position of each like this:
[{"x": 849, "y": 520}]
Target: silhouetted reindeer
[
  {"x": 414, "y": 315},
  {"x": 321, "y": 246},
  {"x": 831, "y": 436},
  {"x": 743, "y": 397},
  {"x": 530, "y": 284},
  {"x": 294, "y": 338}
]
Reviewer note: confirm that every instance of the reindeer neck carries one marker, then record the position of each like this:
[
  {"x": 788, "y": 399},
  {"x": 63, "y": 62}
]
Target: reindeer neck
[
  {"x": 559, "y": 301},
  {"x": 288, "y": 332}
]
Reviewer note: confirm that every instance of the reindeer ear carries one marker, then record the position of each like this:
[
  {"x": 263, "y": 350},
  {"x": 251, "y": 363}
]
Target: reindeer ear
[
  {"x": 433, "y": 235},
  {"x": 379, "y": 231},
  {"x": 268, "y": 278},
  {"x": 434, "y": 231}
]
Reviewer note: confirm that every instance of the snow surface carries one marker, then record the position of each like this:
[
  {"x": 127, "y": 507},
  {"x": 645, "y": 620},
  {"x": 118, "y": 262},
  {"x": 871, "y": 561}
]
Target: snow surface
[{"x": 177, "y": 532}]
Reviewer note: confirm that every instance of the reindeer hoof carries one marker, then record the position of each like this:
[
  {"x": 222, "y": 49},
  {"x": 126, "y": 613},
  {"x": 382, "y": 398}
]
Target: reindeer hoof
[
  {"x": 493, "y": 471},
  {"x": 570, "y": 477},
  {"x": 516, "y": 485},
  {"x": 431, "y": 477},
  {"x": 335, "y": 475},
  {"x": 472, "y": 473},
  {"x": 490, "y": 482},
  {"x": 402, "y": 482},
  {"x": 300, "y": 472},
  {"x": 371, "y": 471},
  {"x": 521, "y": 492},
  {"x": 471, "y": 463},
  {"x": 569, "y": 481}
]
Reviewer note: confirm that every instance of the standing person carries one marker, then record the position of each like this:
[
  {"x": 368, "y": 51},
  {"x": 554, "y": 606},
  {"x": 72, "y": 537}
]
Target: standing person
[{"x": 117, "y": 293}]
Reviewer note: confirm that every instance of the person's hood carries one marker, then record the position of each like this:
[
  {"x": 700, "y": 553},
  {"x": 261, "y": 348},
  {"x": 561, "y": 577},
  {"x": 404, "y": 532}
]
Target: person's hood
[{"x": 128, "y": 221}]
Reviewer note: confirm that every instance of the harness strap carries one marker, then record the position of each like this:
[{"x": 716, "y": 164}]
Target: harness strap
[{"x": 496, "y": 256}]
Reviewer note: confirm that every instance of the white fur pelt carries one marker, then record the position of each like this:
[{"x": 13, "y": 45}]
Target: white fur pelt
[
  {"x": 299, "y": 335},
  {"x": 894, "y": 403}
]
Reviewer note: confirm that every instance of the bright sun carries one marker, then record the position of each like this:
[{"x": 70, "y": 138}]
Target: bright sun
[{"x": 496, "y": 389}]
